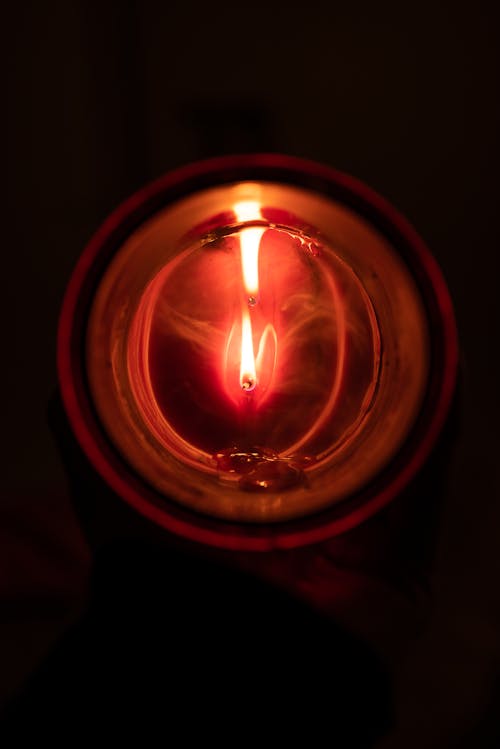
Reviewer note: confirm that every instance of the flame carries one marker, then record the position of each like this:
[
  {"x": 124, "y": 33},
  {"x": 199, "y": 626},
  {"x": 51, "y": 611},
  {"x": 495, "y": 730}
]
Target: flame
[
  {"x": 250, "y": 239},
  {"x": 249, "y": 243},
  {"x": 248, "y": 373},
  {"x": 249, "y": 210}
]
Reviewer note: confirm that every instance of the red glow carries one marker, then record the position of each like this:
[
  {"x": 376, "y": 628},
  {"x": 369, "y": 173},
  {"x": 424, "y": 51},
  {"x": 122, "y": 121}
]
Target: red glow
[
  {"x": 208, "y": 339},
  {"x": 149, "y": 375}
]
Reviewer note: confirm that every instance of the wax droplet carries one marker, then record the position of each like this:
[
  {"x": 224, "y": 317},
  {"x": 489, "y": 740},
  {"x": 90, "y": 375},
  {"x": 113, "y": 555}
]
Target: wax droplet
[
  {"x": 236, "y": 460},
  {"x": 271, "y": 476},
  {"x": 259, "y": 469}
]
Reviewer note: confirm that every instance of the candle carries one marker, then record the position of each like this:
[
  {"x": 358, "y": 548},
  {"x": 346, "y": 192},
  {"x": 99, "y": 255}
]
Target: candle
[
  {"x": 258, "y": 350},
  {"x": 245, "y": 335}
]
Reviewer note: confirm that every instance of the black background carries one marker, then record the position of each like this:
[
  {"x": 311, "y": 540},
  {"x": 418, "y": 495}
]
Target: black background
[{"x": 100, "y": 98}]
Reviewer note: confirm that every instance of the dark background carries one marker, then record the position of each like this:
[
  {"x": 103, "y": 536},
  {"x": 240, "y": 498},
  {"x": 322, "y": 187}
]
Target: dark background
[{"x": 100, "y": 98}]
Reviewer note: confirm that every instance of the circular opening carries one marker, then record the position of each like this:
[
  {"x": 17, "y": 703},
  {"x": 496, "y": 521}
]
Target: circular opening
[{"x": 257, "y": 351}]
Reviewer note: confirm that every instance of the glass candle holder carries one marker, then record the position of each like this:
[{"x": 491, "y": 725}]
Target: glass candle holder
[{"x": 257, "y": 352}]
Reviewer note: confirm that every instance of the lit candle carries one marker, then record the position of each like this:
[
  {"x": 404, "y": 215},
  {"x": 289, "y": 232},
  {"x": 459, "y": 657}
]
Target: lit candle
[
  {"x": 255, "y": 333},
  {"x": 246, "y": 349},
  {"x": 252, "y": 333}
]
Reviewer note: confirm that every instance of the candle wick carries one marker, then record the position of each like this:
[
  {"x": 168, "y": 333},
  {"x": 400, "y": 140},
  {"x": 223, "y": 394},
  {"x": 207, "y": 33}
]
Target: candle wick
[{"x": 248, "y": 384}]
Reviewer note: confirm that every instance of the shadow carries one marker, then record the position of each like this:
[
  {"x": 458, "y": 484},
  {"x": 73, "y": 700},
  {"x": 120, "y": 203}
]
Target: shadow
[
  {"x": 203, "y": 653},
  {"x": 179, "y": 641}
]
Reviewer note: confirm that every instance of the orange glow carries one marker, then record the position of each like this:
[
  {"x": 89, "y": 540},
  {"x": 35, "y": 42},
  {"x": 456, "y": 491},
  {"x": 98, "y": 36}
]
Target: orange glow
[
  {"x": 249, "y": 210},
  {"x": 248, "y": 374},
  {"x": 249, "y": 243}
]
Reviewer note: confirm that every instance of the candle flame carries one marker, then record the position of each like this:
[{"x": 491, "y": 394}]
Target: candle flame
[
  {"x": 250, "y": 238},
  {"x": 248, "y": 373},
  {"x": 249, "y": 243},
  {"x": 249, "y": 210}
]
